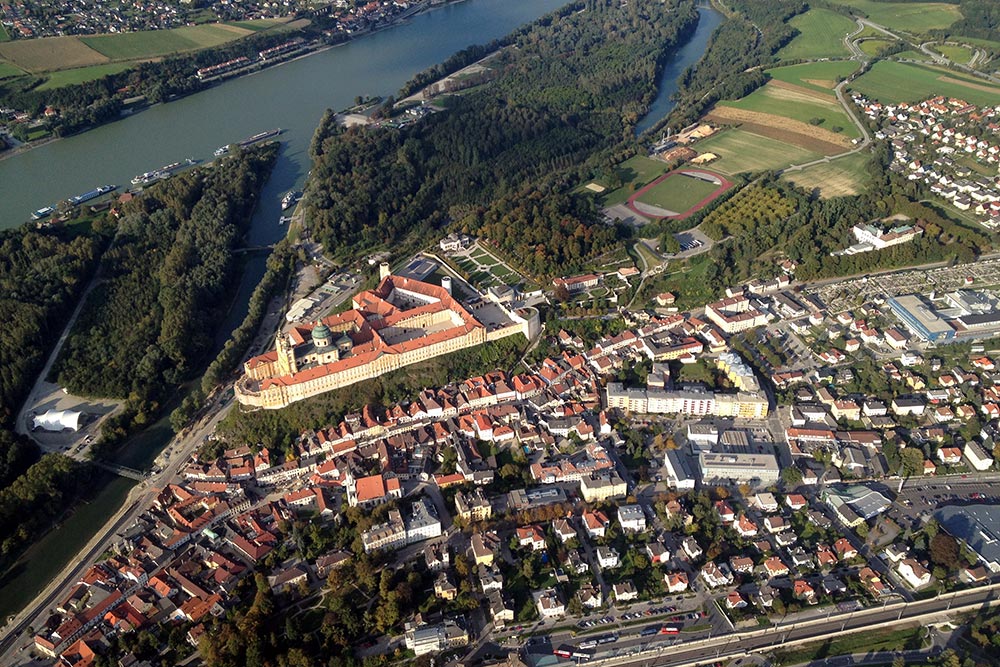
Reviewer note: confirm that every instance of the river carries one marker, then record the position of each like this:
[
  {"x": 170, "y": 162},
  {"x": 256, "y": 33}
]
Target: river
[
  {"x": 292, "y": 96},
  {"x": 686, "y": 56}
]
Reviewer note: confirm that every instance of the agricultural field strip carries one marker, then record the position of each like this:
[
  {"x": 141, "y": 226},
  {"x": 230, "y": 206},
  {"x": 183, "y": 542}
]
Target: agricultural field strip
[{"x": 741, "y": 151}]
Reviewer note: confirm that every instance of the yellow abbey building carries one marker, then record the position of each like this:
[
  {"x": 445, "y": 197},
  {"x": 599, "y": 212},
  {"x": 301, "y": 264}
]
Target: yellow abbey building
[{"x": 401, "y": 322}]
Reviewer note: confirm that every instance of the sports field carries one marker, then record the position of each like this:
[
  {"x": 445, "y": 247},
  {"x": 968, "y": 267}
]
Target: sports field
[
  {"x": 954, "y": 53},
  {"x": 916, "y": 17},
  {"x": 741, "y": 151},
  {"x": 820, "y": 77},
  {"x": 678, "y": 194},
  {"x": 798, "y": 105},
  {"x": 68, "y": 77},
  {"x": 893, "y": 82},
  {"x": 821, "y": 34},
  {"x": 634, "y": 171},
  {"x": 149, "y": 44},
  {"x": 843, "y": 176}
]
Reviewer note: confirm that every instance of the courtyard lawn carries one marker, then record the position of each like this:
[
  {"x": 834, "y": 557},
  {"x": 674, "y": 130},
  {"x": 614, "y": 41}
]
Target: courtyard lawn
[
  {"x": 741, "y": 151},
  {"x": 68, "y": 77},
  {"x": 821, "y": 34},
  {"x": 915, "y": 17},
  {"x": 678, "y": 193},
  {"x": 150, "y": 44},
  {"x": 893, "y": 82},
  {"x": 806, "y": 108},
  {"x": 821, "y": 77}
]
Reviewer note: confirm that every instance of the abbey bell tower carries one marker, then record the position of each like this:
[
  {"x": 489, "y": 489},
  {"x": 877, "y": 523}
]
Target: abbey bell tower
[{"x": 286, "y": 355}]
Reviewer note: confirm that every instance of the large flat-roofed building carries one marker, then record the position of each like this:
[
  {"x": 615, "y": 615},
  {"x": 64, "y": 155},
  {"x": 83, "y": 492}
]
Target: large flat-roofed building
[
  {"x": 679, "y": 475},
  {"x": 921, "y": 318},
  {"x": 754, "y": 469},
  {"x": 735, "y": 314},
  {"x": 401, "y": 322},
  {"x": 660, "y": 401},
  {"x": 978, "y": 526}
]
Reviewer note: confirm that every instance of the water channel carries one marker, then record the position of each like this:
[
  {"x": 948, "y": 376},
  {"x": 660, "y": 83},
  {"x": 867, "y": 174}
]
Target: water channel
[{"x": 292, "y": 96}]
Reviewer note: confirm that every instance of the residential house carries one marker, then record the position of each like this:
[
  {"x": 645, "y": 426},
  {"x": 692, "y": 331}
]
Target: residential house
[
  {"x": 607, "y": 558},
  {"x": 677, "y": 582},
  {"x": 913, "y": 573}
]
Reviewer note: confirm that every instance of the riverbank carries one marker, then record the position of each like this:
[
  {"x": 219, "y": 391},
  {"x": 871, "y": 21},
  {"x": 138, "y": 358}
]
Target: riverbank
[{"x": 308, "y": 52}]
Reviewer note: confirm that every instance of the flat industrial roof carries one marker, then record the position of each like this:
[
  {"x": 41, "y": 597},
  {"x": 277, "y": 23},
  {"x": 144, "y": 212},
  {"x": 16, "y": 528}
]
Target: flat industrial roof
[
  {"x": 978, "y": 525},
  {"x": 923, "y": 312}
]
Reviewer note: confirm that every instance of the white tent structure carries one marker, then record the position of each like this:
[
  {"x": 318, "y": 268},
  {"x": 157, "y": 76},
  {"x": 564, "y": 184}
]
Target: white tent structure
[{"x": 58, "y": 420}]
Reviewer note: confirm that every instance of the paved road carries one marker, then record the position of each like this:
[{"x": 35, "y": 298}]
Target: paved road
[
  {"x": 705, "y": 652},
  {"x": 138, "y": 501},
  {"x": 21, "y": 423}
]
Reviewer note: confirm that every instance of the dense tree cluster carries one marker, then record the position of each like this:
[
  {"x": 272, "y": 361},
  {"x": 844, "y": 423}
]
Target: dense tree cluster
[
  {"x": 41, "y": 275},
  {"x": 980, "y": 18},
  {"x": 575, "y": 84},
  {"x": 152, "y": 319},
  {"x": 749, "y": 209},
  {"x": 16, "y": 454},
  {"x": 30, "y": 502},
  {"x": 548, "y": 233}
]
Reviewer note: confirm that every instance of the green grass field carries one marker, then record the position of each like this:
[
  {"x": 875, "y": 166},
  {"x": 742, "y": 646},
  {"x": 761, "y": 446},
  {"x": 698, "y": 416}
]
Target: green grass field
[
  {"x": 904, "y": 82},
  {"x": 957, "y": 54},
  {"x": 68, "y": 77},
  {"x": 780, "y": 102},
  {"x": 912, "y": 55},
  {"x": 150, "y": 44},
  {"x": 916, "y": 17},
  {"x": 843, "y": 176},
  {"x": 256, "y": 25},
  {"x": 873, "y": 46},
  {"x": 745, "y": 151},
  {"x": 988, "y": 43},
  {"x": 820, "y": 77},
  {"x": 4, "y": 35},
  {"x": 678, "y": 193},
  {"x": 633, "y": 172},
  {"x": 821, "y": 34},
  {"x": 6, "y": 69}
]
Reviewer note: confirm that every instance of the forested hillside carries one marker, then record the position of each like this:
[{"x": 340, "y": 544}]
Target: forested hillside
[
  {"x": 41, "y": 274},
  {"x": 151, "y": 321},
  {"x": 729, "y": 69},
  {"x": 572, "y": 85}
]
